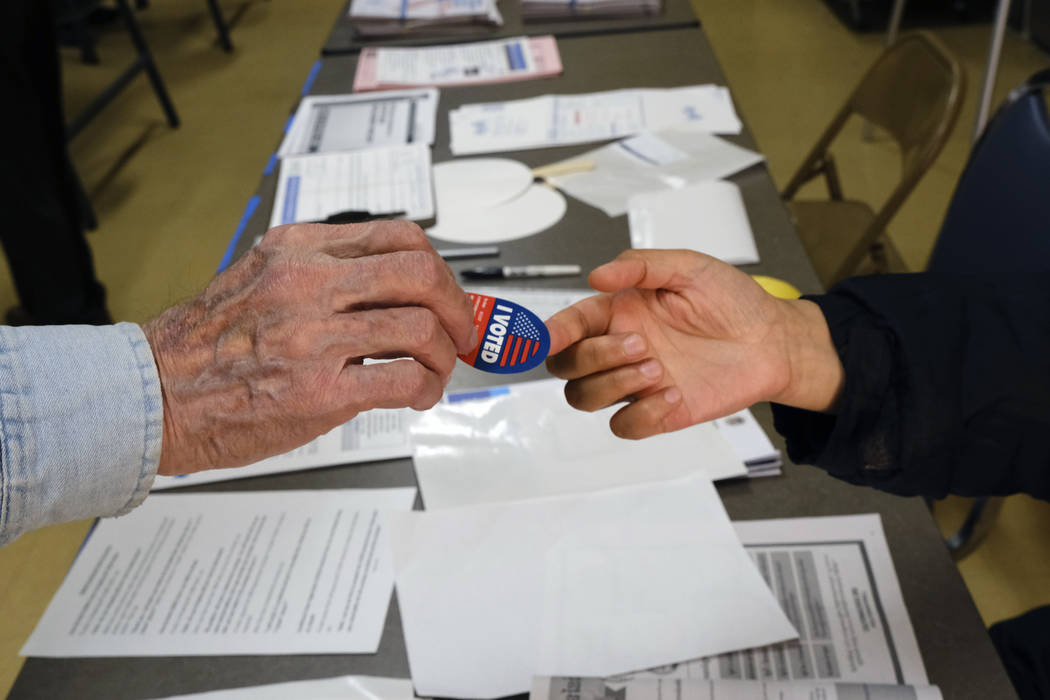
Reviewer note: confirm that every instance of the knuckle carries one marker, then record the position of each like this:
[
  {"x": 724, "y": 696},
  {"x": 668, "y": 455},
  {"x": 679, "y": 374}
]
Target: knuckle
[
  {"x": 424, "y": 268},
  {"x": 411, "y": 233}
]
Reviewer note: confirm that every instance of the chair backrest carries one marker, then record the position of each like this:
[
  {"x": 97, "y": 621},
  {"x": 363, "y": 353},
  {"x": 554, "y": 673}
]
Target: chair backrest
[
  {"x": 914, "y": 91},
  {"x": 999, "y": 216}
]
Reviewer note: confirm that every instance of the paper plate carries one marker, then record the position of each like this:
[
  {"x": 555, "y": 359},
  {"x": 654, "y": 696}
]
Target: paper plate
[
  {"x": 537, "y": 209},
  {"x": 476, "y": 183}
]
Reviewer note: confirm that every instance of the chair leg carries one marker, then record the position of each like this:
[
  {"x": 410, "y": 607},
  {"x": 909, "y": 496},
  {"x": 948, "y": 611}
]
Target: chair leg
[
  {"x": 87, "y": 213},
  {"x": 146, "y": 57},
  {"x": 220, "y": 25},
  {"x": 978, "y": 523},
  {"x": 84, "y": 39}
]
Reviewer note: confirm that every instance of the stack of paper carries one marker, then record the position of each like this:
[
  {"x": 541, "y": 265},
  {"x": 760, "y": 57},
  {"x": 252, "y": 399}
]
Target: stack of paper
[
  {"x": 329, "y": 123},
  {"x": 709, "y": 217},
  {"x": 394, "y": 17},
  {"x": 650, "y": 162},
  {"x": 278, "y": 572},
  {"x": 547, "y": 10},
  {"x": 750, "y": 443},
  {"x": 559, "y": 120},
  {"x": 594, "y": 583},
  {"x": 480, "y": 63},
  {"x": 524, "y": 441}
]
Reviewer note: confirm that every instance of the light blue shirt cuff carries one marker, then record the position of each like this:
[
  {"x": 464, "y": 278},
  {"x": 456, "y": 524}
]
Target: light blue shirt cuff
[{"x": 81, "y": 423}]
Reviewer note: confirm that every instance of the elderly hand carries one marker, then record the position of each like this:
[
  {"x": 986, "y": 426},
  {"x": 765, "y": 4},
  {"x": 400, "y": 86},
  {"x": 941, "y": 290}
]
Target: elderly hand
[
  {"x": 686, "y": 338},
  {"x": 271, "y": 354}
]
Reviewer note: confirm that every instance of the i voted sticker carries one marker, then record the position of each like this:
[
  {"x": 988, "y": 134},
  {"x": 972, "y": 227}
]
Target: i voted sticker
[{"x": 511, "y": 338}]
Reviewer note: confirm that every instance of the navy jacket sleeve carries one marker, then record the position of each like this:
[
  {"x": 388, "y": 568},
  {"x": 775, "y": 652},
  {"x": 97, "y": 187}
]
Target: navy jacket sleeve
[{"x": 947, "y": 386}]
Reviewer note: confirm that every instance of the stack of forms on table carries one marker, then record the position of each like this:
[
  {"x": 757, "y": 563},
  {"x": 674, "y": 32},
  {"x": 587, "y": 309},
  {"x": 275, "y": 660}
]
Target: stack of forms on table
[
  {"x": 541, "y": 10},
  {"x": 393, "y": 17}
]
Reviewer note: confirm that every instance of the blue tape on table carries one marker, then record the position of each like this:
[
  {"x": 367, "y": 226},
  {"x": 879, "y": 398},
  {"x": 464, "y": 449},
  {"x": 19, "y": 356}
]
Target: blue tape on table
[{"x": 511, "y": 338}]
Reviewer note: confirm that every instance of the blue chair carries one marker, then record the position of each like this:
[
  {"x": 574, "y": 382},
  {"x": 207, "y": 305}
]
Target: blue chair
[{"x": 999, "y": 221}]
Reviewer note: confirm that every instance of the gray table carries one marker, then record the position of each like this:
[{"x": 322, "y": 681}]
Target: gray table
[
  {"x": 958, "y": 654},
  {"x": 676, "y": 14}
]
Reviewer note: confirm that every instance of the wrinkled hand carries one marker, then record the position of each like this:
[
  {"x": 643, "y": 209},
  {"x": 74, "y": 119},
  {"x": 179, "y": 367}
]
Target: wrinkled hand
[
  {"x": 270, "y": 355},
  {"x": 686, "y": 338}
]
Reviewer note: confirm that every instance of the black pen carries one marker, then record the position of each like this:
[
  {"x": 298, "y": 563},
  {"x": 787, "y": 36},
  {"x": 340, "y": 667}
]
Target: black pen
[
  {"x": 512, "y": 271},
  {"x": 357, "y": 216}
]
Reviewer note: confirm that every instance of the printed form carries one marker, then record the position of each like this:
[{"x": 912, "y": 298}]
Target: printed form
[
  {"x": 567, "y": 688},
  {"x": 326, "y": 123},
  {"x": 835, "y": 581},
  {"x": 370, "y": 437},
  {"x": 277, "y": 572},
  {"x": 559, "y": 120},
  {"x": 377, "y": 180}
]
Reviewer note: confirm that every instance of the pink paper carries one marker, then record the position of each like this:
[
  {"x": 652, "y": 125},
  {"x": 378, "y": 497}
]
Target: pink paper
[{"x": 545, "y": 56}]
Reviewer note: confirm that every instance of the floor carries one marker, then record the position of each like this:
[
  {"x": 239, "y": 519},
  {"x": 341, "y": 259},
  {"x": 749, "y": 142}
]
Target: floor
[{"x": 168, "y": 200}]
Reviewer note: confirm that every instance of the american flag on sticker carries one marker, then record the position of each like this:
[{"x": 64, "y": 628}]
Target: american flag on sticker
[{"x": 511, "y": 338}]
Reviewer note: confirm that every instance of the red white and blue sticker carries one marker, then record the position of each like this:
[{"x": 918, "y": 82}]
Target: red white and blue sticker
[{"x": 511, "y": 338}]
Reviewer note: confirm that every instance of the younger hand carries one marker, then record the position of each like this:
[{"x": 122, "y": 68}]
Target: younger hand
[{"x": 687, "y": 338}]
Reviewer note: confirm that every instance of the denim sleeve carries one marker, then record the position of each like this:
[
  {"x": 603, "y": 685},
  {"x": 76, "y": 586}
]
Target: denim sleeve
[{"x": 81, "y": 422}]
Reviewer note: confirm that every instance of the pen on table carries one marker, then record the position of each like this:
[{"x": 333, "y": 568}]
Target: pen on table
[
  {"x": 484, "y": 251},
  {"x": 512, "y": 271},
  {"x": 357, "y": 216}
]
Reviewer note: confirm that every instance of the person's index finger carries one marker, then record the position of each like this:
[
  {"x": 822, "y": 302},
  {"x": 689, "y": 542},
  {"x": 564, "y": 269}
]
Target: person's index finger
[
  {"x": 648, "y": 269},
  {"x": 584, "y": 319}
]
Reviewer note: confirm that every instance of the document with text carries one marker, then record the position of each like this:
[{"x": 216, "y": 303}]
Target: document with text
[
  {"x": 327, "y": 123},
  {"x": 265, "y": 572},
  {"x": 692, "y": 689},
  {"x": 560, "y": 120},
  {"x": 835, "y": 581},
  {"x": 372, "y": 436},
  {"x": 375, "y": 180}
]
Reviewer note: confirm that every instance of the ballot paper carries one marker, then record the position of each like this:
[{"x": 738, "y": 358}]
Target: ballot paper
[
  {"x": 341, "y": 688},
  {"x": 594, "y": 583},
  {"x": 525, "y": 441},
  {"x": 370, "y": 437},
  {"x": 478, "y": 63},
  {"x": 327, "y": 123},
  {"x": 394, "y": 17},
  {"x": 750, "y": 443},
  {"x": 377, "y": 180},
  {"x": 685, "y": 689},
  {"x": 560, "y": 120},
  {"x": 835, "y": 580},
  {"x": 265, "y": 572},
  {"x": 650, "y": 162},
  {"x": 709, "y": 217}
]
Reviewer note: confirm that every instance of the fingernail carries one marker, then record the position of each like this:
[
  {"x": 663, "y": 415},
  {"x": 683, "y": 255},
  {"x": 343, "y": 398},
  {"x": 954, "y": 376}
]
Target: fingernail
[
  {"x": 633, "y": 345},
  {"x": 650, "y": 369},
  {"x": 673, "y": 395}
]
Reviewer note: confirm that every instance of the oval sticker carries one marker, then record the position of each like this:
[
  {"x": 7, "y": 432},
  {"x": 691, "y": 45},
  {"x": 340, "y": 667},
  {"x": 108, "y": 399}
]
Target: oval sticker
[{"x": 511, "y": 338}]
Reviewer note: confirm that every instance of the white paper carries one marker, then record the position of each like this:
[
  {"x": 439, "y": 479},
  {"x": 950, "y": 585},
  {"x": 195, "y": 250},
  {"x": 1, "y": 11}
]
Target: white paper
[
  {"x": 455, "y": 64},
  {"x": 557, "y": 120},
  {"x": 650, "y": 162},
  {"x": 478, "y": 183},
  {"x": 536, "y": 210},
  {"x": 331, "y": 123},
  {"x": 422, "y": 10},
  {"x": 851, "y": 618},
  {"x": 482, "y": 590},
  {"x": 372, "y": 436},
  {"x": 265, "y": 572},
  {"x": 544, "y": 688},
  {"x": 525, "y": 441},
  {"x": 341, "y": 688},
  {"x": 709, "y": 217},
  {"x": 378, "y": 180}
]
